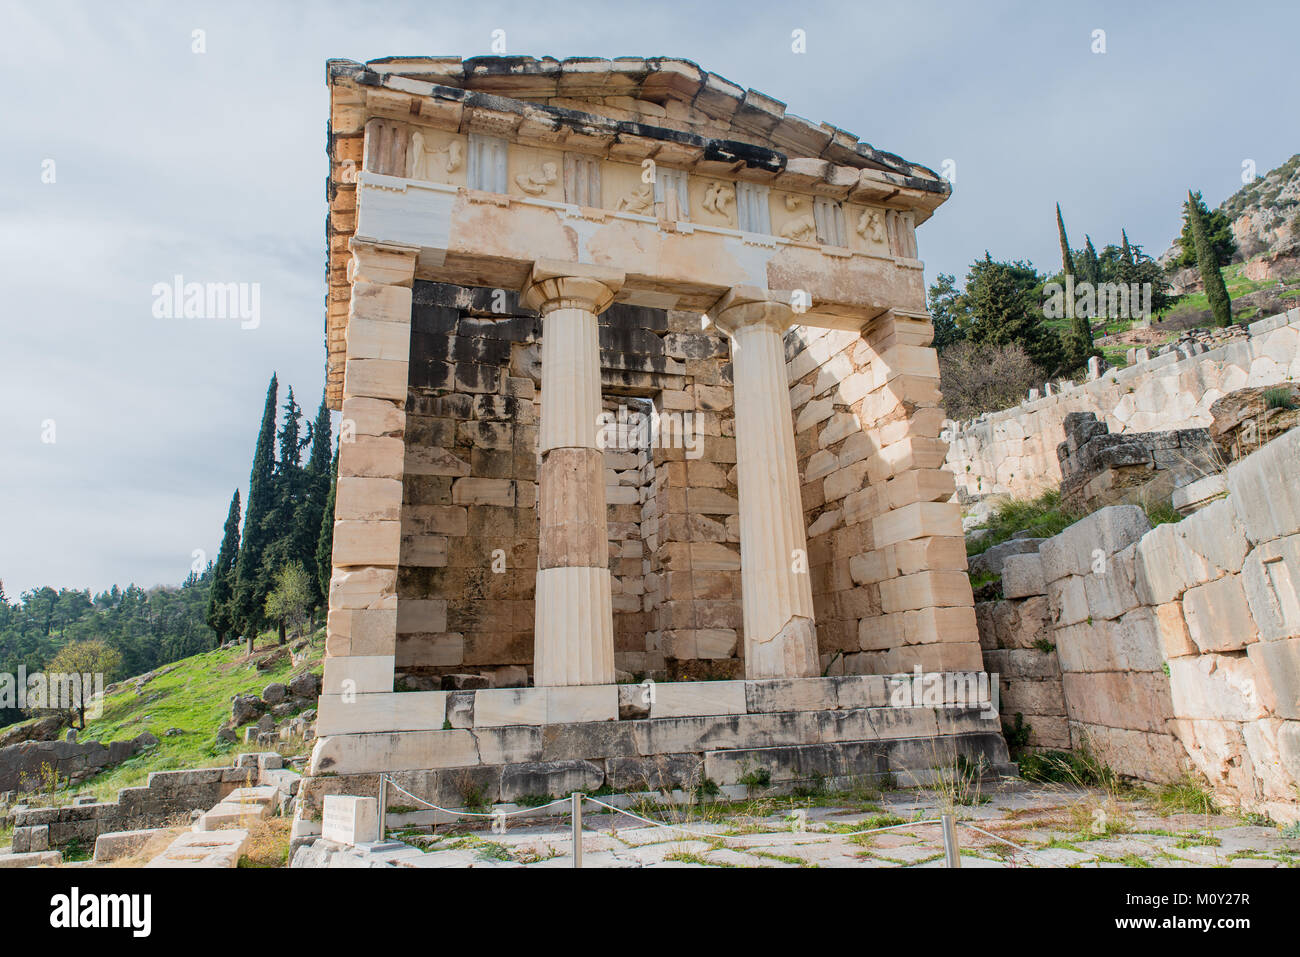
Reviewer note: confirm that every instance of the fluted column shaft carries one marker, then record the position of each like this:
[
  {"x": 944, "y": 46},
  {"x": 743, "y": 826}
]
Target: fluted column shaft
[
  {"x": 780, "y": 635},
  {"x": 573, "y": 635}
]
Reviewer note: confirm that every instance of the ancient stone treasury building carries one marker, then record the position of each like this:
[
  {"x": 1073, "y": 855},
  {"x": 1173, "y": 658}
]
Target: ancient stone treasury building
[{"x": 581, "y": 541}]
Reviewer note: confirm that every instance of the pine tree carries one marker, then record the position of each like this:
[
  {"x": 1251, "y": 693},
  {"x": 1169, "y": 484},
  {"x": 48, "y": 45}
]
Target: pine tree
[
  {"x": 1207, "y": 261},
  {"x": 325, "y": 541},
  {"x": 252, "y": 580},
  {"x": 220, "y": 617},
  {"x": 1004, "y": 301}
]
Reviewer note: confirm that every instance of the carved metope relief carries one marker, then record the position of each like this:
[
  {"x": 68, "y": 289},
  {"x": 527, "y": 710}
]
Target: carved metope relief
[
  {"x": 639, "y": 200},
  {"x": 539, "y": 179},
  {"x": 719, "y": 200},
  {"x": 430, "y": 162},
  {"x": 801, "y": 227},
  {"x": 871, "y": 226}
]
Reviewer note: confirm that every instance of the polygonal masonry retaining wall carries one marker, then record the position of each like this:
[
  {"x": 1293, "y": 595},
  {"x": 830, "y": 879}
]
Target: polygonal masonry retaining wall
[
  {"x": 167, "y": 796},
  {"x": 1013, "y": 451},
  {"x": 1179, "y": 645},
  {"x": 504, "y": 744}
]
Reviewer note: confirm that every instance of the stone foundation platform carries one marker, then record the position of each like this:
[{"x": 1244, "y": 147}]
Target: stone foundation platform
[{"x": 502, "y": 745}]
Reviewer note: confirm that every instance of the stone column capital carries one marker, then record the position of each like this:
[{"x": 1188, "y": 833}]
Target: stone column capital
[
  {"x": 746, "y": 306},
  {"x": 563, "y": 285}
]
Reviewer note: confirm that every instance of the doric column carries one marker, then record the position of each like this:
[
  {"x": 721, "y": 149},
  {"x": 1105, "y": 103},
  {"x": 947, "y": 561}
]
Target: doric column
[
  {"x": 780, "y": 635},
  {"x": 573, "y": 636}
]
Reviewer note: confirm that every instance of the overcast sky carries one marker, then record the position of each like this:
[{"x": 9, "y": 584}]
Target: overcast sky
[{"x": 212, "y": 166}]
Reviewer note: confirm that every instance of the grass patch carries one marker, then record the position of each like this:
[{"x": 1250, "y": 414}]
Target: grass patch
[
  {"x": 193, "y": 695},
  {"x": 1161, "y": 513},
  {"x": 1187, "y": 796},
  {"x": 268, "y": 843},
  {"x": 1067, "y": 767},
  {"x": 1041, "y": 517}
]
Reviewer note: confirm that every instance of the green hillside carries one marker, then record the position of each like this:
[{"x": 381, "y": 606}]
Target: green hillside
[{"x": 192, "y": 695}]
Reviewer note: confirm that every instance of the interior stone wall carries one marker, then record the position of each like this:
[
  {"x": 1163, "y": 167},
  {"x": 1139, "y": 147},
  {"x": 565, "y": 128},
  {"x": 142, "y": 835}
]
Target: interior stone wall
[{"x": 469, "y": 510}]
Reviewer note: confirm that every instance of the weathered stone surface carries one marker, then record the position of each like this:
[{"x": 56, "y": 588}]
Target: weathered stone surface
[{"x": 1022, "y": 576}]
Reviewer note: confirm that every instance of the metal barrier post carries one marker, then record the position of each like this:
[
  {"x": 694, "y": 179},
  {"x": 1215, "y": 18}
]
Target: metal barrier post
[
  {"x": 951, "y": 853},
  {"x": 576, "y": 816},
  {"x": 383, "y": 805}
]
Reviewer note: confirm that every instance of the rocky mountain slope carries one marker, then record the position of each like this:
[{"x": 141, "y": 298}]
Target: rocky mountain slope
[{"x": 1265, "y": 216}]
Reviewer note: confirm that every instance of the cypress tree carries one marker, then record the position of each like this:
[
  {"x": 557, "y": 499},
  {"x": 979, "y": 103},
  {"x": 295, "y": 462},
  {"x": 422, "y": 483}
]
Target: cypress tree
[
  {"x": 223, "y": 575},
  {"x": 1091, "y": 269},
  {"x": 317, "y": 480},
  {"x": 1126, "y": 251},
  {"x": 286, "y": 543},
  {"x": 252, "y": 580},
  {"x": 1218, "y": 228},
  {"x": 1207, "y": 261},
  {"x": 1067, "y": 261},
  {"x": 1078, "y": 342},
  {"x": 325, "y": 540}
]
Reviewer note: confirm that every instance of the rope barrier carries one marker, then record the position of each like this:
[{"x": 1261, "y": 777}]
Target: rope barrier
[
  {"x": 489, "y": 814},
  {"x": 705, "y": 835}
]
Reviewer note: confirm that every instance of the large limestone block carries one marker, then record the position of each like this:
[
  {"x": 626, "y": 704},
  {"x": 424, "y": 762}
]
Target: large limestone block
[
  {"x": 1218, "y": 617},
  {"x": 929, "y": 589},
  {"x": 1020, "y": 624},
  {"x": 501, "y": 707},
  {"x": 363, "y": 587},
  {"x": 550, "y": 777},
  {"x": 382, "y": 711},
  {"x": 1214, "y": 687},
  {"x": 582, "y": 704},
  {"x": 791, "y": 694},
  {"x": 1068, "y": 599},
  {"x": 1078, "y": 549},
  {"x": 368, "y": 499},
  {"x": 1138, "y": 701},
  {"x": 918, "y": 520},
  {"x": 370, "y": 631},
  {"x": 375, "y": 378},
  {"x": 675, "y": 699},
  {"x": 1022, "y": 576},
  {"x": 1275, "y": 765},
  {"x": 1264, "y": 491},
  {"x": 1160, "y": 573},
  {"x": 1271, "y": 578},
  {"x": 1172, "y": 626},
  {"x": 1108, "y": 587},
  {"x": 369, "y": 456},
  {"x": 358, "y": 675},
  {"x": 1219, "y": 751},
  {"x": 1277, "y": 674},
  {"x": 1215, "y": 541},
  {"x": 367, "y": 543},
  {"x": 1155, "y": 757}
]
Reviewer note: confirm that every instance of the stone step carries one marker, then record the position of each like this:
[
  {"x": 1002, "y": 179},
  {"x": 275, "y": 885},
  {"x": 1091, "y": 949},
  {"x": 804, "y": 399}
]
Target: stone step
[
  {"x": 240, "y": 808},
  {"x": 204, "y": 849}
]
